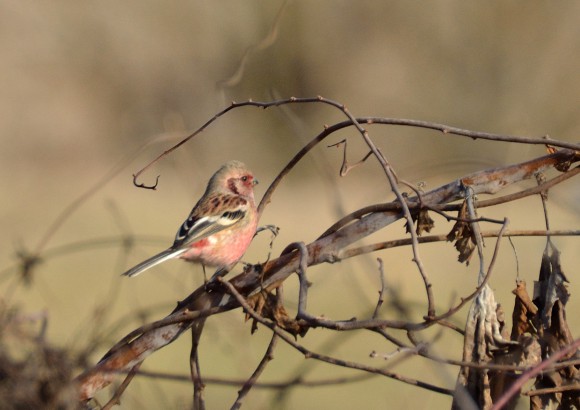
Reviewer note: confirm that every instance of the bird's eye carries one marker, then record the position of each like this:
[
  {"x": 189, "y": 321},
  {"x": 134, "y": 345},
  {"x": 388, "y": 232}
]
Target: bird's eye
[{"x": 245, "y": 178}]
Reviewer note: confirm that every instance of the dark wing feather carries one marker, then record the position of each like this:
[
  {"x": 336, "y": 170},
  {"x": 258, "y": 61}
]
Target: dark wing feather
[{"x": 196, "y": 228}]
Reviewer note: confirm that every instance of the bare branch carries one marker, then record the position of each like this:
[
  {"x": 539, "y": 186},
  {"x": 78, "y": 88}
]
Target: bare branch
[
  {"x": 116, "y": 399},
  {"x": 268, "y": 356},
  {"x": 346, "y": 167},
  {"x": 312, "y": 355},
  {"x": 194, "y": 368},
  {"x": 382, "y": 290}
]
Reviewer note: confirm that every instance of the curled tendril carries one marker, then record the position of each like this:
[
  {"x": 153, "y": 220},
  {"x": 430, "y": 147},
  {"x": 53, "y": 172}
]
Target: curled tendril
[{"x": 142, "y": 185}]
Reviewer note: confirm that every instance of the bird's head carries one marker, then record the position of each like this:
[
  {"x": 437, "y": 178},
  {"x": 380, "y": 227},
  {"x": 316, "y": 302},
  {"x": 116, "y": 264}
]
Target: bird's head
[{"x": 234, "y": 178}]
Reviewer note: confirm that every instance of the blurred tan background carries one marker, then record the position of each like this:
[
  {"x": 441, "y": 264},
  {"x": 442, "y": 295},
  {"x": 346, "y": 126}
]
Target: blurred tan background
[{"x": 90, "y": 92}]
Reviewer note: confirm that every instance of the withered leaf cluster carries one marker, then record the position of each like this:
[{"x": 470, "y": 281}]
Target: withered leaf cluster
[
  {"x": 463, "y": 235},
  {"x": 539, "y": 329}
]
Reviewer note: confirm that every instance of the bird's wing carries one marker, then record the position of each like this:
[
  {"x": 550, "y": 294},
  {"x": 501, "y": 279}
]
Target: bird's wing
[{"x": 201, "y": 224}]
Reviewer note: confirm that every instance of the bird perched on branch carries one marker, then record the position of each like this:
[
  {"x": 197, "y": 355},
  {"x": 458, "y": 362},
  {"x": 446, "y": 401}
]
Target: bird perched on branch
[{"x": 220, "y": 226}]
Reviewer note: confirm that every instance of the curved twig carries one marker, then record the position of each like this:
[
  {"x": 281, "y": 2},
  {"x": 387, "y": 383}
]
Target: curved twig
[
  {"x": 268, "y": 356},
  {"x": 116, "y": 399},
  {"x": 324, "y": 358}
]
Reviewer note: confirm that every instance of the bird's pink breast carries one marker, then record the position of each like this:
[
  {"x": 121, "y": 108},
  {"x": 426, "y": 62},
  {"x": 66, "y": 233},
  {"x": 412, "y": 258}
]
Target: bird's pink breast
[{"x": 223, "y": 248}]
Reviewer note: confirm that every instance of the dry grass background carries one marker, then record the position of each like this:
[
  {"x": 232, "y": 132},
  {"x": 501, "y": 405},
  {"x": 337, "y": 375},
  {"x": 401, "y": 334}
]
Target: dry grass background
[{"x": 86, "y": 85}]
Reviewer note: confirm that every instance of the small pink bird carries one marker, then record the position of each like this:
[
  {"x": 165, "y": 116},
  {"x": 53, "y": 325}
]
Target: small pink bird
[{"x": 220, "y": 226}]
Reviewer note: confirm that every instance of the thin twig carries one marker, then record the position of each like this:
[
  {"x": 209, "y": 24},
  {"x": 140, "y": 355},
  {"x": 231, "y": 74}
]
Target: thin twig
[
  {"x": 327, "y": 359},
  {"x": 346, "y": 167},
  {"x": 445, "y": 129},
  {"x": 298, "y": 381},
  {"x": 469, "y": 198},
  {"x": 194, "y": 368},
  {"x": 552, "y": 390},
  {"x": 482, "y": 282},
  {"x": 361, "y": 250},
  {"x": 268, "y": 356},
  {"x": 389, "y": 172},
  {"x": 382, "y": 290},
  {"x": 116, "y": 399},
  {"x": 282, "y": 385}
]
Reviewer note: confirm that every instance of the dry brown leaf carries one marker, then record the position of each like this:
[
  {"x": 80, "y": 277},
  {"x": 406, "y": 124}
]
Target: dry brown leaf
[
  {"x": 524, "y": 312},
  {"x": 423, "y": 220},
  {"x": 463, "y": 236},
  {"x": 266, "y": 305}
]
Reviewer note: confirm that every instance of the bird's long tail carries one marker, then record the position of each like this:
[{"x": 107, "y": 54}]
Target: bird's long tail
[{"x": 154, "y": 260}]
